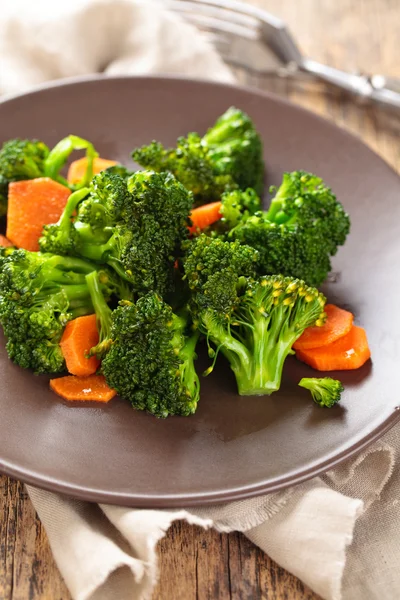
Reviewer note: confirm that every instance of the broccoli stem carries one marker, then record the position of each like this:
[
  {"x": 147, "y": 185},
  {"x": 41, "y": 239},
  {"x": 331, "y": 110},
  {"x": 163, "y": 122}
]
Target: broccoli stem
[
  {"x": 104, "y": 253},
  {"x": 275, "y": 214},
  {"x": 103, "y": 314},
  {"x": 65, "y": 221},
  {"x": 189, "y": 377},
  {"x": 67, "y": 263},
  {"x": 59, "y": 155},
  {"x": 219, "y": 133},
  {"x": 237, "y": 354},
  {"x": 258, "y": 365},
  {"x": 271, "y": 342},
  {"x": 76, "y": 292},
  {"x": 63, "y": 278}
]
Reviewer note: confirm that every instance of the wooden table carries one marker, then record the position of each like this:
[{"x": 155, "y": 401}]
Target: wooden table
[{"x": 197, "y": 564}]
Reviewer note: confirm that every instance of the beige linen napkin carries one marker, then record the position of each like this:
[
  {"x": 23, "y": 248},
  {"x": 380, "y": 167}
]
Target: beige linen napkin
[{"x": 338, "y": 533}]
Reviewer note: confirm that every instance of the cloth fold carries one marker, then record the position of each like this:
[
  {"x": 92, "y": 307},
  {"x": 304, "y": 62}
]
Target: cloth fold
[
  {"x": 46, "y": 40},
  {"x": 314, "y": 530},
  {"x": 337, "y": 533}
]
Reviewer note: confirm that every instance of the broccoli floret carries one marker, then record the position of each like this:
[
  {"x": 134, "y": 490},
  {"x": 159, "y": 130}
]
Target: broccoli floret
[
  {"x": 190, "y": 164},
  {"x": 288, "y": 250},
  {"x": 253, "y": 322},
  {"x": 146, "y": 355},
  {"x": 206, "y": 257},
  {"x": 227, "y": 157},
  {"x": 29, "y": 159},
  {"x": 299, "y": 233},
  {"x": 303, "y": 199},
  {"x": 39, "y": 294},
  {"x": 23, "y": 159},
  {"x": 137, "y": 226},
  {"x": 120, "y": 170},
  {"x": 237, "y": 206},
  {"x": 20, "y": 160},
  {"x": 325, "y": 391},
  {"x": 62, "y": 237},
  {"x": 235, "y": 148}
]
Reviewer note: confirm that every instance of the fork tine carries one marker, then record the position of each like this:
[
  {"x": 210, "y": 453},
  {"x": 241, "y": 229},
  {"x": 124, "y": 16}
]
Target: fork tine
[
  {"x": 237, "y": 7},
  {"x": 269, "y": 29},
  {"x": 218, "y": 25},
  {"x": 189, "y": 8}
]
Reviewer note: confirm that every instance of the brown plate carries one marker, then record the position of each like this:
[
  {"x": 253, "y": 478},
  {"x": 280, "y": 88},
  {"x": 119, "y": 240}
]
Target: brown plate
[{"x": 233, "y": 447}]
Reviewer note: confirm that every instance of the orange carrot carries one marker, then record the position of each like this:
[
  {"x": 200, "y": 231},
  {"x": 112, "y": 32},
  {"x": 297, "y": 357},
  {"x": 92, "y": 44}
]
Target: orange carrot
[
  {"x": 4, "y": 241},
  {"x": 79, "y": 336},
  {"x": 77, "y": 168},
  {"x": 348, "y": 352},
  {"x": 91, "y": 388},
  {"x": 32, "y": 204},
  {"x": 205, "y": 215},
  {"x": 338, "y": 323}
]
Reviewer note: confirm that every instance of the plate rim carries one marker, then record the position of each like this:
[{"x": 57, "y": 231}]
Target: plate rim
[
  {"x": 198, "y": 499},
  {"x": 203, "y": 498}
]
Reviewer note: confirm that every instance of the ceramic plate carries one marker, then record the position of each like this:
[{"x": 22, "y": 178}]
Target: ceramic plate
[{"x": 233, "y": 447}]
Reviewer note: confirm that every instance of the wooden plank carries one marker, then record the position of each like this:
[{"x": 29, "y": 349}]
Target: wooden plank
[{"x": 27, "y": 568}]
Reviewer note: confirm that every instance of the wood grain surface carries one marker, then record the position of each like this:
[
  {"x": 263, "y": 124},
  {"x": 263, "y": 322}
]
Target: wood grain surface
[{"x": 205, "y": 565}]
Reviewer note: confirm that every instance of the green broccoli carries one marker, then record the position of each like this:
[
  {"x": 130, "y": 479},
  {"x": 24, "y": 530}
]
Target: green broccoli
[
  {"x": 59, "y": 155},
  {"x": 236, "y": 207},
  {"x": 253, "y": 322},
  {"x": 299, "y": 233},
  {"x": 325, "y": 391},
  {"x": 39, "y": 294},
  {"x": 190, "y": 164},
  {"x": 29, "y": 159},
  {"x": 304, "y": 200},
  {"x": 206, "y": 257},
  {"x": 227, "y": 157},
  {"x": 137, "y": 226},
  {"x": 20, "y": 160},
  {"x": 120, "y": 170},
  {"x": 146, "y": 355},
  {"x": 235, "y": 149}
]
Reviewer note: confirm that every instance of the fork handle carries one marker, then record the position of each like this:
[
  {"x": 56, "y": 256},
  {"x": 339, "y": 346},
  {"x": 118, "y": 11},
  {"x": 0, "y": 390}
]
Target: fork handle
[{"x": 376, "y": 88}]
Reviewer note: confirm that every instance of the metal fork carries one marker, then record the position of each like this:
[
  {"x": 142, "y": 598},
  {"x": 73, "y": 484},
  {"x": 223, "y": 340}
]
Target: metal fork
[{"x": 259, "y": 42}]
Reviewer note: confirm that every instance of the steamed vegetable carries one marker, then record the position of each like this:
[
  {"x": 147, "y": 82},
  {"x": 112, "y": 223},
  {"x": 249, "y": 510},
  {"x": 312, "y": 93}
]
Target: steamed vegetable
[
  {"x": 229, "y": 156},
  {"x": 348, "y": 352},
  {"x": 204, "y": 216},
  {"x": 79, "y": 336},
  {"x": 302, "y": 229},
  {"x": 92, "y": 388},
  {"x": 338, "y": 323},
  {"x": 324, "y": 391},
  {"x": 147, "y": 353},
  {"x": 22, "y": 160},
  {"x": 31, "y": 205},
  {"x": 252, "y": 322},
  {"x": 137, "y": 226},
  {"x": 78, "y": 168},
  {"x": 39, "y": 294},
  {"x": 117, "y": 276}
]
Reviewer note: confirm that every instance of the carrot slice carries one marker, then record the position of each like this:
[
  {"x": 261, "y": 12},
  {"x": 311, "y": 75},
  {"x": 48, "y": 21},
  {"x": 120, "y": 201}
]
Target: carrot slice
[
  {"x": 5, "y": 242},
  {"x": 91, "y": 388},
  {"x": 338, "y": 323},
  {"x": 77, "y": 168},
  {"x": 348, "y": 352},
  {"x": 205, "y": 215},
  {"x": 79, "y": 336},
  {"x": 32, "y": 204}
]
